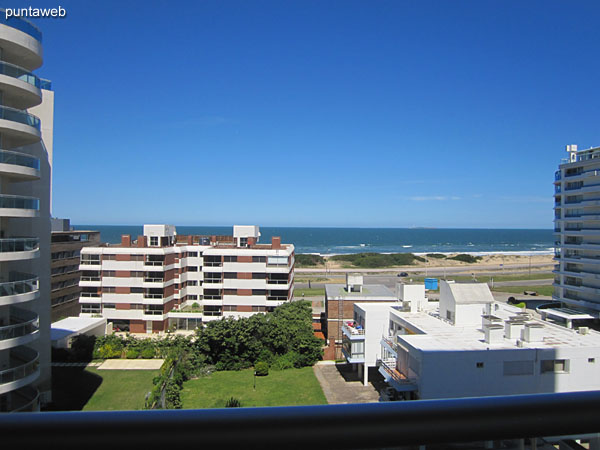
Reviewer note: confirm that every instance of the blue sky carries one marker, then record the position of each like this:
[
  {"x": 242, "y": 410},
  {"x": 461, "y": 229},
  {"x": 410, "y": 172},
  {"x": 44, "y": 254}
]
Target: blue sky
[{"x": 318, "y": 113}]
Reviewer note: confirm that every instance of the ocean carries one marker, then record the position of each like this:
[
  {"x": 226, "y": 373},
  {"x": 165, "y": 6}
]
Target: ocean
[{"x": 328, "y": 241}]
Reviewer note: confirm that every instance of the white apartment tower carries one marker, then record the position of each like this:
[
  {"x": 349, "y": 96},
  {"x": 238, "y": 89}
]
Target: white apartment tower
[
  {"x": 26, "y": 121},
  {"x": 577, "y": 230},
  {"x": 163, "y": 280}
]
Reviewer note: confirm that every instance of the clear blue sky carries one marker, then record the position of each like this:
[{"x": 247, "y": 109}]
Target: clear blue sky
[{"x": 318, "y": 113}]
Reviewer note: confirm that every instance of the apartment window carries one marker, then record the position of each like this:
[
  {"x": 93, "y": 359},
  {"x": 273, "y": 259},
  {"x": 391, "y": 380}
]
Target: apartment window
[
  {"x": 479, "y": 365},
  {"x": 136, "y": 274},
  {"x": 259, "y": 309},
  {"x": 243, "y": 242},
  {"x": 277, "y": 261},
  {"x": 259, "y": 259},
  {"x": 212, "y": 261},
  {"x": 108, "y": 306},
  {"x": 192, "y": 268},
  {"x": 192, "y": 254},
  {"x": 230, "y": 275},
  {"x": 136, "y": 257},
  {"x": 555, "y": 366},
  {"x": 90, "y": 259},
  {"x": 154, "y": 241},
  {"x": 212, "y": 277},
  {"x": 108, "y": 273},
  {"x": 136, "y": 290},
  {"x": 190, "y": 283},
  {"x": 91, "y": 308},
  {"x": 230, "y": 291},
  {"x": 108, "y": 290},
  {"x": 229, "y": 308},
  {"x": 259, "y": 275},
  {"x": 518, "y": 367},
  {"x": 259, "y": 292},
  {"x": 192, "y": 297},
  {"x": 136, "y": 306},
  {"x": 109, "y": 257}
]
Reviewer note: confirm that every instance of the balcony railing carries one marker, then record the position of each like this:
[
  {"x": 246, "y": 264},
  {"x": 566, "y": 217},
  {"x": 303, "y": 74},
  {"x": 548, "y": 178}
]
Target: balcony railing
[
  {"x": 19, "y": 245},
  {"x": 348, "y": 426},
  {"x": 153, "y": 295},
  {"x": 84, "y": 278},
  {"x": 19, "y": 159},
  {"x": 154, "y": 263},
  {"x": 19, "y": 202},
  {"x": 23, "y": 322},
  {"x": 153, "y": 280},
  {"x": 21, "y": 24},
  {"x": 25, "y": 399},
  {"x": 23, "y": 362},
  {"x": 353, "y": 329},
  {"x": 14, "y": 71},
  {"x": 17, "y": 115},
  {"x": 20, "y": 284}
]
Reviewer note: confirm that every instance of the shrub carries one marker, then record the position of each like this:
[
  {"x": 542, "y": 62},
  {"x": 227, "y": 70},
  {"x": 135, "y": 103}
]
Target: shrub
[
  {"x": 285, "y": 361},
  {"x": 148, "y": 353},
  {"x": 195, "y": 305},
  {"x": 466, "y": 258},
  {"x": 132, "y": 353},
  {"x": 436, "y": 255},
  {"x": 261, "y": 368},
  {"x": 371, "y": 260},
  {"x": 309, "y": 260},
  {"x": 233, "y": 403}
]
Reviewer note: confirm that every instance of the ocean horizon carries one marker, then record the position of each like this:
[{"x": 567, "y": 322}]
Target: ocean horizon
[{"x": 337, "y": 240}]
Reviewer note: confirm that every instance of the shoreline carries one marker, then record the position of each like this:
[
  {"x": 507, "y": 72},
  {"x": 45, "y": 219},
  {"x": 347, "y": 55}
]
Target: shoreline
[{"x": 479, "y": 253}]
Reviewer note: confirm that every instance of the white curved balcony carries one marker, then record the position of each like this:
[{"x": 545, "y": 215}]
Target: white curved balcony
[
  {"x": 19, "y": 126},
  {"x": 23, "y": 369},
  {"x": 20, "y": 88},
  {"x": 17, "y": 249},
  {"x": 25, "y": 399},
  {"x": 22, "y": 328},
  {"x": 18, "y": 206},
  {"x": 19, "y": 288},
  {"x": 19, "y": 165},
  {"x": 21, "y": 42}
]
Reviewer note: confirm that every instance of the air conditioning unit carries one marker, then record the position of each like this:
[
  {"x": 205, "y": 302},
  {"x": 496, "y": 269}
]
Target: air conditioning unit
[{"x": 584, "y": 330}]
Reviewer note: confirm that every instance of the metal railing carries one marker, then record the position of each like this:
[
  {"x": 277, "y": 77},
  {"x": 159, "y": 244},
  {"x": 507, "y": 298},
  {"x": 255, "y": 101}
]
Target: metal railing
[
  {"x": 21, "y": 24},
  {"x": 360, "y": 426},
  {"x": 23, "y": 322},
  {"x": 353, "y": 330},
  {"x": 17, "y": 115},
  {"x": 153, "y": 263},
  {"x": 19, "y": 245}
]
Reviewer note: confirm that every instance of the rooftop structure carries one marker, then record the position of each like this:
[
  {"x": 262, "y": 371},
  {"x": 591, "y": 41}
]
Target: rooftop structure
[
  {"x": 577, "y": 231},
  {"x": 426, "y": 355},
  {"x": 26, "y": 122},
  {"x": 163, "y": 280}
]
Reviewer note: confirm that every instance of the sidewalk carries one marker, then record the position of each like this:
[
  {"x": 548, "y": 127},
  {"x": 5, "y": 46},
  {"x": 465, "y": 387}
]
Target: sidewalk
[
  {"x": 131, "y": 364},
  {"x": 341, "y": 385}
]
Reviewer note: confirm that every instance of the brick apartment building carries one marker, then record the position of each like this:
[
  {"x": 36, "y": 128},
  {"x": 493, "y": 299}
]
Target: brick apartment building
[{"x": 162, "y": 280}]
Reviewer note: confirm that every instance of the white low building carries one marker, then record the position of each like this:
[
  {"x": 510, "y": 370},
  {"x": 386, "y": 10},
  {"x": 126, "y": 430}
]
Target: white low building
[{"x": 467, "y": 347}]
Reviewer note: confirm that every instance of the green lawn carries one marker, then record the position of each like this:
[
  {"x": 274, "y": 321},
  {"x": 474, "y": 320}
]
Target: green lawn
[
  {"x": 289, "y": 387},
  {"x": 312, "y": 292},
  {"x": 541, "y": 290},
  {"x": 487, "y": 278}
]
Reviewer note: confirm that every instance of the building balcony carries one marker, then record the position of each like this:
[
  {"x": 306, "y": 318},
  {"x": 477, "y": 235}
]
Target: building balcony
[
  {"x": 20, "y": 88},
  {"x": 21, "y": 42},
  {"x": 21, "y": 329},
  {"x": 389, "y": 343},
  {"x": 19, "y": 166},
  {"x": 26, "y": 399},
  {"x": 396, "y": 379},
  {"x": 19, "y": 288},
  {"x": 18, "y": 206},
  {"x": 14, "y": 249},
  {"x": 353, "y": 331},
  {"x": 21, "y": 24},
  {"x": 19, "y": 126},
  {"x": 23, "y": 369}
]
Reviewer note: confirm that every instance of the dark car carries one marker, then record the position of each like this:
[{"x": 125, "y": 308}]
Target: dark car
[{"x": 402, "y": 274}]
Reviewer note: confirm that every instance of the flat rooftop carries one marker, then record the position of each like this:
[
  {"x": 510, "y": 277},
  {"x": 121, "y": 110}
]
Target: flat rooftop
[
  {"x": 369, "y": 292},
  {"x": 73, "y": 325},
  {"x": 440, "y": 335}
]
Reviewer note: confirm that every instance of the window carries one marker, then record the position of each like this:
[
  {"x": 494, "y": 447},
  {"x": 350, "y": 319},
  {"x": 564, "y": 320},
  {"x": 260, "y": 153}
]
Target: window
[
  {"x": 259, "y": 292},
  {"x": 259, "y": 309},
  {"x": 518, "y": 367},
  {"x": 592, "y": 360},
  {"x": 90, "y": 259},
  {"x": 259, "y": 275},
  {"x": 192, "y": 254},
  {"x": 136, "y": 257},
  {"x": 229, "y": 258},
  {"x": 260, "y": 259},
  {"x": 230, "y": 292},
  {"x": 277, "y": 261},
  {"x": 108, "y": 290},
  {"x": 479, "y": 365},
  {"x": 108, "y": 273},
  {"x": 154, "y": 241},
  {"x": 229, "y": 308},
  {"x": 192, "y": 268},
  {"x": 109, "y": 257},
  {"x": 136, "y": 274},
  {"x": 136, "y": 290},
  {"x": 109, "y": 306},
  {"x": 243, "y": 242},
  {"x": 230, "y": 275},
  {"x": 554, "y": 366}
]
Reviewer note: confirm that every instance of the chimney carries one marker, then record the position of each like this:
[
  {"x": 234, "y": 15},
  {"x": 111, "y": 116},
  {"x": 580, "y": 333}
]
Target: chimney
[
  {"x": 213, "y": 240},
  {"x": 190, "y": 239},
  {"x": 276, "y": 242},
  {"x": 125, "y": 240},
  {"x": 142, "y": 241}
]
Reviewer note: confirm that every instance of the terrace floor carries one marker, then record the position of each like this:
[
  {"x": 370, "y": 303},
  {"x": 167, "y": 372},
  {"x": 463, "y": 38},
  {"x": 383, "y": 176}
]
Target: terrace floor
[{"x": 341, "y": 384}]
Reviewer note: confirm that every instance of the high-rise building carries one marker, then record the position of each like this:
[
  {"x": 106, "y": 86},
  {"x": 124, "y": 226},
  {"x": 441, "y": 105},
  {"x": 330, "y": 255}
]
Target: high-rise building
[
  {"x": 577, "y": 235},
  {"x": 163, "y": 280},
  {"x": 26, "y": 120},
  {"x": 65, "y": 247}
]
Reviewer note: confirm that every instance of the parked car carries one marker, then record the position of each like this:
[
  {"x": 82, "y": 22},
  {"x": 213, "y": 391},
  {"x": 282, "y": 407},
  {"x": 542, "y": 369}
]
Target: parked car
[{"x": 402, "y": 274}]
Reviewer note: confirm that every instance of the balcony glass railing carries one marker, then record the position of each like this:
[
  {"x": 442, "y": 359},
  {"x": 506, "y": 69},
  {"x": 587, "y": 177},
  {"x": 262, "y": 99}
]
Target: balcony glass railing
[
  {"x": 19, "y": 284},
  {"x": 19, "y": 202},
  {"x": 23, "y": 362},
  {"x": 19, "y": 159},
  {"x": 16, "y": 115},
  {"x": 19, "y": 245},
  {"x": 22, "y": 323},
  {"x": 14, "y": 71},
  {"x": 25, "y": 399},
  {"x": 21, "y": 24}
]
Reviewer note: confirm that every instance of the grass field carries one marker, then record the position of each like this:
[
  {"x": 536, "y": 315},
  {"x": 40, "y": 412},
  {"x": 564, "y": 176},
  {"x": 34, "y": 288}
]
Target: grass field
[
  {"x": 312, "y": 292},
  {"x": 280, "y": 388},
  {"x": 541, "y": 290},
  {"x": 90, "y": 389},
  {"x": 488, "y": 278}
]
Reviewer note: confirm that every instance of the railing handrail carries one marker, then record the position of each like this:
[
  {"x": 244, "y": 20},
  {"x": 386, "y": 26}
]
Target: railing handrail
[
  {"x": 35, "y": 119},
  {"x": 29, "y": 358},
  {"x": 36, "y": 80},
  {"x": 367, "y": 425},
  {"x": 34, "y": 162},
  {"x": 21, "y": 24}
]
